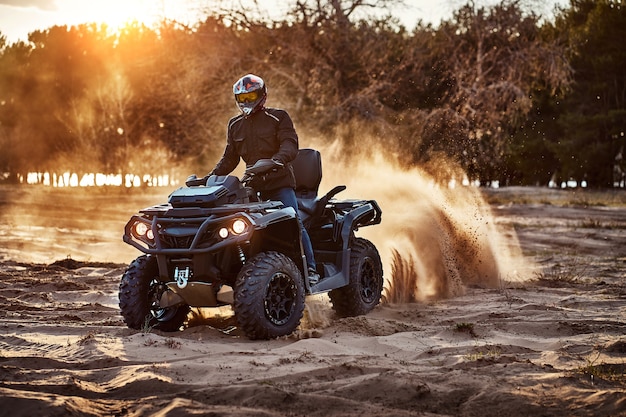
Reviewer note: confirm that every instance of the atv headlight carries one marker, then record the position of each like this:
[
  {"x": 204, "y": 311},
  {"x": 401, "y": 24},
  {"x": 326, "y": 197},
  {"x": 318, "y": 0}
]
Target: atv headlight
[
  {"x": 239, "y": 226},
  {"x": 140, "y": 229}
]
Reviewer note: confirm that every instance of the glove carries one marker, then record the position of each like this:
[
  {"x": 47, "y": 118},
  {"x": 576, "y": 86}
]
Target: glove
[
  {"x": 191, "y": 180},
  {"x": 278, "y": 162},
  {"x": 194, "y": 181}
]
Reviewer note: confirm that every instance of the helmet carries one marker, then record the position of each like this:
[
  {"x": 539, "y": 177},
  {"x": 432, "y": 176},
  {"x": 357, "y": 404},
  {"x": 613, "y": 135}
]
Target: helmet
[{"x": 250, "y": 93}]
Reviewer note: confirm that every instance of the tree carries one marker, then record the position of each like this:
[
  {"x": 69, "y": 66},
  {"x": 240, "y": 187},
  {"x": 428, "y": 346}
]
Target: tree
[
  {"x": 493, "y": 59},
  {"x": 594, "y": 118},
  {"x": 13, "y": 61},
  {"x": 321, "y": 60},
  {"x": 532, "y": 158}
]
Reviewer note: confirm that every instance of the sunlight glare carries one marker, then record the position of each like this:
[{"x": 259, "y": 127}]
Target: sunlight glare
[{"x": 114, "y": 13}]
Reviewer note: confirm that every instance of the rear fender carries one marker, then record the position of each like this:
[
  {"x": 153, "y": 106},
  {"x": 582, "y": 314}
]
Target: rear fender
[{"x": 362, "y": 215}]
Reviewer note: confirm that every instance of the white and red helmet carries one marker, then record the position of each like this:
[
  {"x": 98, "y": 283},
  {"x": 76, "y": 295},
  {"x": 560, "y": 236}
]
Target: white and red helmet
[{"x": 250, "y": 93}]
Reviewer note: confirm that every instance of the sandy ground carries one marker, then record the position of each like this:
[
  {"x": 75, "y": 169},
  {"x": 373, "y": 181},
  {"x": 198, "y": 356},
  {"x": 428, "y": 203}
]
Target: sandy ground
[{"x": 552, "y": 343}]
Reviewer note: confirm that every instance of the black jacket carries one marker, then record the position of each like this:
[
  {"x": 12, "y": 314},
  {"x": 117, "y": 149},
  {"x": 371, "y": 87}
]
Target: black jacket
[{"x": 267, "y": 133}]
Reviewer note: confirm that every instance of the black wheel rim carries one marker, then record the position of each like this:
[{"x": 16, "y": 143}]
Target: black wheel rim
[
  {"x": 154, "y": 297},
  {"x": 280, "y": 299},
  {"x": 369, "y": 280}
]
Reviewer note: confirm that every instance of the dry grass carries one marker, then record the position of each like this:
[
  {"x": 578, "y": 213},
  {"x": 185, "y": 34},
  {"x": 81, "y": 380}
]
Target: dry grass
[
  {"x": 402, "y": 286},
  {"x": 597, "y": 372},
  {"x": 563, "y": 273},
  {"x": 465, "y": 327}
]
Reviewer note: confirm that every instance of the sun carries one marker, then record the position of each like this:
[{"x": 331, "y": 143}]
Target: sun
[{"x": 114, "y": 13}]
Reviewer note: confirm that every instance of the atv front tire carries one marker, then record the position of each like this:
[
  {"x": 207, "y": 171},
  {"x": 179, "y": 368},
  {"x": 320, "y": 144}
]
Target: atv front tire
[
  {"x": 365, "y": 289},
  {"x": 269, "y": 296},
  {"x": 140, "y": 292}
]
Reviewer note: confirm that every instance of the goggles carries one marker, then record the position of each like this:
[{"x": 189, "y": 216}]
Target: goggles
[{"x": 250, "y": 97}]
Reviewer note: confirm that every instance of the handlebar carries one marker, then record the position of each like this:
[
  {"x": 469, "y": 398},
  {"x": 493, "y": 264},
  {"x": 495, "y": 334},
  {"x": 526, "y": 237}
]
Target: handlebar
[
  {"x": 261, "y": 166},
  {"x": 194, "y": 181}
]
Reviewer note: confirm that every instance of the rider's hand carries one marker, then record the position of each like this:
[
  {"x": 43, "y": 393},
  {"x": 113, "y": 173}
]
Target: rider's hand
[
  {"x": 191, "y": 180},
  {"x": 206, "y": 177},
  {"x": 194, "y": 181},
  {"x": 278, "y": 162}
]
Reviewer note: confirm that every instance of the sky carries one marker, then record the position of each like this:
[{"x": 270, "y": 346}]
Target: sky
[{"x": 20, "y": 17}]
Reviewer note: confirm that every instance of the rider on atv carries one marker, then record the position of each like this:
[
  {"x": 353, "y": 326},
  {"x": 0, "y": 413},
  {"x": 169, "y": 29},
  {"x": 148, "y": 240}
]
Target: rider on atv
[
  {"x": 252, "y": 242},
  {"x": 261, "y": 132}
]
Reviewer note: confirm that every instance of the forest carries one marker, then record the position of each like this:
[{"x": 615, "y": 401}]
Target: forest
[{"x": 498, "y": 91}]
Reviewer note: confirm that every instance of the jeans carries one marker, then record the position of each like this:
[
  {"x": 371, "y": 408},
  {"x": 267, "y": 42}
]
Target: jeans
[{"x": 287, "y": 196}]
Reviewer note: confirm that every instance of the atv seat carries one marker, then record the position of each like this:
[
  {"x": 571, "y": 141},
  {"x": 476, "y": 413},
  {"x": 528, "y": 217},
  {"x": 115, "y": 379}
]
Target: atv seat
[{"x": 307, "y": 167}]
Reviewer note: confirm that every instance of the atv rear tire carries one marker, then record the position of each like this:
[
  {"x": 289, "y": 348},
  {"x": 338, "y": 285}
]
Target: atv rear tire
[
  {"x": 140, "y": 292},
  {"x": 269, "y": 296},
  {"x": 365, "y": 289}
]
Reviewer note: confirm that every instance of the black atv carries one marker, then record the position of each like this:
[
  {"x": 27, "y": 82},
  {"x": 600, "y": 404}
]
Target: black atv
[{"x": 214, "y": 243}]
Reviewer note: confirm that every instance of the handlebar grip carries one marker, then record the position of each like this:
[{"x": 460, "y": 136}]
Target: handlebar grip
[{"x": 194, "y": 181}]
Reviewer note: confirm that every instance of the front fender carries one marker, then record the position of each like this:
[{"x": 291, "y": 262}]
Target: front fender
[{"x": 280, "y": 231}]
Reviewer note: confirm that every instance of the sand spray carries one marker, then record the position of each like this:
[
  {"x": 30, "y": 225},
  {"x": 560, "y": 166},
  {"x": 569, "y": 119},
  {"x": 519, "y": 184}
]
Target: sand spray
[{"x": 437, "y": 236}]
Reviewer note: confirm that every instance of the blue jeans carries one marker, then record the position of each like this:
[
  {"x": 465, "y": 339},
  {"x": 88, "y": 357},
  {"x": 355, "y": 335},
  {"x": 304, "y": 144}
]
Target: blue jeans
[{"x": 287, "y": 196}]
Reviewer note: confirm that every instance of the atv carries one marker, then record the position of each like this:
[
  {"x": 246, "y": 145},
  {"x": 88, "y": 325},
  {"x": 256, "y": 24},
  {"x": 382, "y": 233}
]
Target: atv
[{"x": 215, "y": 243}]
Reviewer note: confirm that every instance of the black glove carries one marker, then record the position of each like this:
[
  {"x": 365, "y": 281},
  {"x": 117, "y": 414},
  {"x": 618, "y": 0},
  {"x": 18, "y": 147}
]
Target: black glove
[{"x": 193, "y": 181}]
